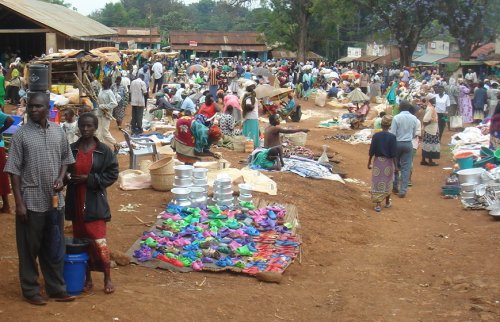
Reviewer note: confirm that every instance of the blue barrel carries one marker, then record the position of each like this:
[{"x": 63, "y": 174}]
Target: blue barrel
[{"x": 75, "y": 266}]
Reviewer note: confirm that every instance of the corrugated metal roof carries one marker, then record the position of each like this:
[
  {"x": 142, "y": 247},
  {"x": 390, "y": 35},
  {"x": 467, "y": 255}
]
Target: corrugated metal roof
[
  {"x": 484, "y": 50},
  {"x": 367, "y": 58},
  {"x": 429, "y": 58},
  {"x": 153, "y": 39},
  {"x": 286, "y": 54},
  {"x": 59, "y": 18},
  {"x": 136, "y": 31},
  {"x": 217, "y": 38},
  {"x": 237, "y": 48}
]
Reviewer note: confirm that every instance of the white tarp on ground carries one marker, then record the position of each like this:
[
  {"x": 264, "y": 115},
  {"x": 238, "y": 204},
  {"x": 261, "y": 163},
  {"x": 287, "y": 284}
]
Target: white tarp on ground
[{"x": 470, "y": 139}]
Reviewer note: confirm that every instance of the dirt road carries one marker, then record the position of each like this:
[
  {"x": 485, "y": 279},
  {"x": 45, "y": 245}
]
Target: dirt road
[{"x": 425, "y": 259}]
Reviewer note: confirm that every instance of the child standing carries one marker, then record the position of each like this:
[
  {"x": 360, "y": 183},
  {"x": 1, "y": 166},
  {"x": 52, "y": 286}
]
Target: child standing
[{"x": 70, "y": 126}]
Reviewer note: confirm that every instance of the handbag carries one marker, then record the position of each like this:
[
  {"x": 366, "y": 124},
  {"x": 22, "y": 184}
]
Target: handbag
[{"x": 456, "y": 122}]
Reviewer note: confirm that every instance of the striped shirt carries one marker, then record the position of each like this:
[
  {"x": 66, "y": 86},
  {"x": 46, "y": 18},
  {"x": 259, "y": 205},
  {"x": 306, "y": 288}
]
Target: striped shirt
[
  {"x": 36, "y": 155},
  {"x": 212, "y": 77}
]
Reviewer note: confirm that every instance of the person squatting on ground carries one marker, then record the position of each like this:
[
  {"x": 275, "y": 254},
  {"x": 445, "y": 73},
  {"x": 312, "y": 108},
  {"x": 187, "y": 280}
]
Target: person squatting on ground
[{"x": 38, "y": 159}]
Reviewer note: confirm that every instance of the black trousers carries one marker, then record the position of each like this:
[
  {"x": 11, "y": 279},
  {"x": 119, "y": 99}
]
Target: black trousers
[
  {"x": 442, "y": 120},
  {"x": 136, "y": 122},
  {"x": 33, "y": 242},
  {"x": 157, "y": 84}
]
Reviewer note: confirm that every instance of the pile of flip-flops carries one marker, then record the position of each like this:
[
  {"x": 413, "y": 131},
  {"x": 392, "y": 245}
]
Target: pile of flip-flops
[{"x": 210, "y": 237}]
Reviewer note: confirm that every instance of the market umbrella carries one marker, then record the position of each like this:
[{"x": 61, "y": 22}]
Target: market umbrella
[
  {"x": 307, "y": 67},
  {"x": 357, "y": 96},
  {"x": 265, "y": 90},
  {"x": 280, "y": 93},
  {"x": 261, "y": 71},
  {"x": 194, "y": 68},
  {"x": 350, "y": 75},
  {"x": 55, "y": 236}
]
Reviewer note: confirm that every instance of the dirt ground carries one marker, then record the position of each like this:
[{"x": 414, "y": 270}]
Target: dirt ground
[{"x": 425, "y": 259}]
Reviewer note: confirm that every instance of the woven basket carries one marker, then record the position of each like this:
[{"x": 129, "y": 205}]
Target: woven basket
[
  {"x": 162, "y": 182},
  {"x": 162, "y": 166},
  {"x": 162, "y": 174}
]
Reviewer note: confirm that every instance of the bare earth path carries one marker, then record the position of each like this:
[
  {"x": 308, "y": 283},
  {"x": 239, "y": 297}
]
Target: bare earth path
[{"x": 425, "y": 259}]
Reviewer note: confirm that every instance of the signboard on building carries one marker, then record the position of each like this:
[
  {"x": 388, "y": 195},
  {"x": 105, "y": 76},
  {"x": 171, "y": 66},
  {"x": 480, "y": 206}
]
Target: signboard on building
[
  {"x": 131, "y": 44},
  {"x": 374, "y": 49},
  {"x": 193, "y": 43},
  {"x": 353, "y": 52},
  {"x": 438, "y": 47}
]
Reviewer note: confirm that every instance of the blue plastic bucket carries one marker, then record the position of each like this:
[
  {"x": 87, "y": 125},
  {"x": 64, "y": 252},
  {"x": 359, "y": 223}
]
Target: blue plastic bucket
[
  {"x": 465, "y": 160},
  {"x": 75, "y": 266}
]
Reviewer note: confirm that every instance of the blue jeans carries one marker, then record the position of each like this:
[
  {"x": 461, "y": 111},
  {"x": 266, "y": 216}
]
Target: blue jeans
[
  {"x": 404, "y": 160},
  {"x": 213, "y": 91}
]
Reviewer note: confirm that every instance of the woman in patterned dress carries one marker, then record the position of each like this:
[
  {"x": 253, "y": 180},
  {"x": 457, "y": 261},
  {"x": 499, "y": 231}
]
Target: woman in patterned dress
[
  {"x": 464, "y": 102},
  {"x": 383, "y": 153}
]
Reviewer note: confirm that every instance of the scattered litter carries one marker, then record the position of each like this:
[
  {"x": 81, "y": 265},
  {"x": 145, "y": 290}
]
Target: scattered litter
[{"x": 129, "y": 207}]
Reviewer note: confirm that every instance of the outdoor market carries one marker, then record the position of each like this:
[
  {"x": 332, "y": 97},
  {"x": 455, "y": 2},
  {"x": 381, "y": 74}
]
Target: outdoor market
[{"x": 223, "y": 178}]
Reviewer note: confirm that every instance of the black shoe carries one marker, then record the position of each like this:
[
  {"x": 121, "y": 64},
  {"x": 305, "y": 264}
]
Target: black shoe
[
  {"x": 63, "y": 297},
  {"x": 36, "y": 300}
]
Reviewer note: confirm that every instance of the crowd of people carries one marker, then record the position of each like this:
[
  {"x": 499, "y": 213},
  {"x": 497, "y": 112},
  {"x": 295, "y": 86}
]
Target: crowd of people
[{"x": 207, "y": 99}]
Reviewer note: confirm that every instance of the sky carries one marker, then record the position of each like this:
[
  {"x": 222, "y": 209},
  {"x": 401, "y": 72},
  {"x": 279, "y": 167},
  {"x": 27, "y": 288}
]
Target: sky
[{"x": 86, "y": 7}]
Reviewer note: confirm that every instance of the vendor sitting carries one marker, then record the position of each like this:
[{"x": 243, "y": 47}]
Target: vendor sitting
[
  {"x": 358, "y": 116},
  {"x": 267, "y": 159},
  {"x": 193, "y": 138},
  {"x": 187, "y": 103},
  {"x": 273, "y": 131},
  {"x": 289, "y": 107}
]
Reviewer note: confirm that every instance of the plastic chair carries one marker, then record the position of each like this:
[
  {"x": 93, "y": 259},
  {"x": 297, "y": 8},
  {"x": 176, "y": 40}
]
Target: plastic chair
[{"x": 147, "y": 147}]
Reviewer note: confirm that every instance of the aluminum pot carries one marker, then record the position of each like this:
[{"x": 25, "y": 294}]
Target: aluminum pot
[
  {"x": 224, "y": 181},
  {"x": 183, "y": 171},
  {"x": 245, "y": 198},
  {"x": 470, "y": 175},
  {"x": 245, "y": 189},
  {"x": 183, "y": 181},
  {"x": 199, "y": 181},
  {"x": 467, "y": 195},
  {"x": 223, "y": 196},
  {"x": 197, "y": 192},
  {"x": 467, "y": 187},
  {"x": 181, "y": 193},
  {"x": 200, "y": 173}
]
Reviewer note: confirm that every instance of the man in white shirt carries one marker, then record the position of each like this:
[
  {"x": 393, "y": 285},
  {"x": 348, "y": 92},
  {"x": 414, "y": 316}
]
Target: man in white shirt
[
  {"x": 187, "y": 103},
  {"x": 404, "y": 127},
  {"x": 137, "y": 91},
  {"x": 157, "y": 76},
  {"x": 471, "y": 76},
  {"x": 442, "y": 106}
]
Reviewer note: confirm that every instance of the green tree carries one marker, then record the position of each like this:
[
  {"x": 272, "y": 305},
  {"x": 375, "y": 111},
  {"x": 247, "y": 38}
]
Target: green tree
[
  {"x": 467, "y": 23},
  {"x": 59, "y": 2}
]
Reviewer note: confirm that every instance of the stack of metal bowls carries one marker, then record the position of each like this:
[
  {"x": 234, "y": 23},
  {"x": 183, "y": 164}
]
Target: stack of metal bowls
[
  {"x": 223, "y": 192},
  {"x": 200, "y": 178},
  {"x": 198, "y": 196},
  {"x": 181, "y": 196},
  {"x": 183, "y": 176},
  {"x": 245, "y": 192},
  {"x": 467, "y": 190}
]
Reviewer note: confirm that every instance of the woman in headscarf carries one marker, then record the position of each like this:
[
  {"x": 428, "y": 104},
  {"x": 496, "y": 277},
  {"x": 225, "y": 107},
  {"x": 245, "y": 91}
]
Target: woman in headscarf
[
  {"x": 234, "y": 101},
  {"x": 14, "y": 86},
  {"x": 495, "y": 127},
  {"x": 251, "y": 114},
  {"x": 431, "y": 147},
  {"x": 193, "y": 137},
  {"x": 464, "y": 102},
  {"x": 383, "y": 153},
  {"x": 479, "y": 102}
]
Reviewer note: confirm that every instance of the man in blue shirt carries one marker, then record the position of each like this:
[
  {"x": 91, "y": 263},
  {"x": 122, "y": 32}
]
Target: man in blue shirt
[
  {"x": 404, "y": 127},
  {"x": 187, "y": 103}
]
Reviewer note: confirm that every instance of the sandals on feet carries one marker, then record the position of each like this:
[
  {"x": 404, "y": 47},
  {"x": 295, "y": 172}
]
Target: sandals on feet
[
  {"x": 424, "y": 163},
  {"x": 388, "y": 205},
  {"x": 378, "y": 208}
]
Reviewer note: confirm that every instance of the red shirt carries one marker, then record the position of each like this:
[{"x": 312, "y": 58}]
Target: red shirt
[
  {"x": 207, "y": 110},
  {"x": 183, "y": 131}
]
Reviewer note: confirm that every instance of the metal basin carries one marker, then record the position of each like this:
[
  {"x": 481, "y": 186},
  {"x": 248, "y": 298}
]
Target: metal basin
[
  {"x": 470, "y": 175},
  {"x": 200, "y": 173},
  {"x": 182, "y": 181},
  {"x": 183, "y": 171}
]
